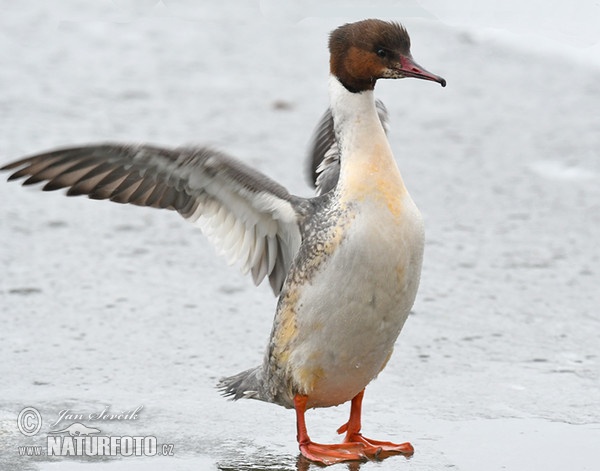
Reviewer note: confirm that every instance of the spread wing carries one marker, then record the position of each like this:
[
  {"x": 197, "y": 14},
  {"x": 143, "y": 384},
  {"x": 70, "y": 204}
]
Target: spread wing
[
  {"x": 249, "y": 217},
  {"x": 324, "y": 155}
]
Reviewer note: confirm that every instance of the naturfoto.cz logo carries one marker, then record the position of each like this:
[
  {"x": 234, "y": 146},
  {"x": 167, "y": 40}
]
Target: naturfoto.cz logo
[{"x": 78, "y": 439}]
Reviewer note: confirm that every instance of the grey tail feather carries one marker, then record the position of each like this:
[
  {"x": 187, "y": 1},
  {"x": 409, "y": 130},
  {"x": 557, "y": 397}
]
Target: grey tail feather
[{"x": 244, "y": 385}]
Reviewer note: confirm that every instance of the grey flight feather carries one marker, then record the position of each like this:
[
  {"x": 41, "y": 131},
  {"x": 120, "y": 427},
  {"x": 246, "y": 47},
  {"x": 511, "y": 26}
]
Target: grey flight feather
[
  {"x": 251, "y": 218},
  {"x": 245, "y": 385},
  {"x": 324, "y": 154}
]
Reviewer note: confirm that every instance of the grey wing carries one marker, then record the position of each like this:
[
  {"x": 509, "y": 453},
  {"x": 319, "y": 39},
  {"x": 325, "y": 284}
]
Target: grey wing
[
  {"x": 252, "y": 219},
  {"x": 324, "y": 154}
]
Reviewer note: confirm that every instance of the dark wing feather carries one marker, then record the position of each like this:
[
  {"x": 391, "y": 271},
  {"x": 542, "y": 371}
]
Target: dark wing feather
[
  {"x": 324, "y": 154},
  {"x": 251, "y": 218}
]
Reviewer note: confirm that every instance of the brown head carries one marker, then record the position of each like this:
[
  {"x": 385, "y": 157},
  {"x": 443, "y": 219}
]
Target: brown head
[{"x": 368, "y": 50}]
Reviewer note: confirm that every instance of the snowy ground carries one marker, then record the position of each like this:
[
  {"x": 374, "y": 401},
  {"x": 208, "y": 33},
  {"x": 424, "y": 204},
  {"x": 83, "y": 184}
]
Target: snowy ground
[{"x": 104, "y": 305}]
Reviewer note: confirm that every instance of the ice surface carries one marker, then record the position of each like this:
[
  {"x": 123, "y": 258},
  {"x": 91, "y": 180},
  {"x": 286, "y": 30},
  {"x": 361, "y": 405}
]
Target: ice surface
[{"x": 102, "y": 305}]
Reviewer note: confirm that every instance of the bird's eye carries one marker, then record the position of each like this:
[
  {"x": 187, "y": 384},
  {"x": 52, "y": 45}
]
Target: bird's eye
[{"x": 381, "y": 53}]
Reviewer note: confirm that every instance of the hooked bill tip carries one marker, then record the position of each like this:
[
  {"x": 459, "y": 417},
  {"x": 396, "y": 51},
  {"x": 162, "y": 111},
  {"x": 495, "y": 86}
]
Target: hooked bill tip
[{"x": 442, "y": 82}]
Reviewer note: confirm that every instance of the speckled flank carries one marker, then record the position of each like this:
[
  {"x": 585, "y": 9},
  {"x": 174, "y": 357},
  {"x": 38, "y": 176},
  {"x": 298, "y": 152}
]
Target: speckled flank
[{"x": 322, "y": 237}]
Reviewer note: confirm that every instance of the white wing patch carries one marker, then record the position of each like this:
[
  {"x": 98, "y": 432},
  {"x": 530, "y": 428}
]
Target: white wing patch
[{"x": 257, "y": 230}]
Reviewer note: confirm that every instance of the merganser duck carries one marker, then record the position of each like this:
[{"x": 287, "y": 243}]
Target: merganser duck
[{"x": 346, "y": 264}]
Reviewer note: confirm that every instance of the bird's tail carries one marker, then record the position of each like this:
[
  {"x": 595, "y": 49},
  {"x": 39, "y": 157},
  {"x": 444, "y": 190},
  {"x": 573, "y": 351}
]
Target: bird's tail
[{"x": 244, "y": 385}]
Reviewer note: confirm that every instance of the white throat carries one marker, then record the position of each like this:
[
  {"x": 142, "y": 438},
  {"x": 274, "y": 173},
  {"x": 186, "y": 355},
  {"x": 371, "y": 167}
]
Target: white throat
[{"x": 364, "y": 149}]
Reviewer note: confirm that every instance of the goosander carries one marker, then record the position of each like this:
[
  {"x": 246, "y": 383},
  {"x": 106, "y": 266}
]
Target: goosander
[{"x": 345, "y": 264}]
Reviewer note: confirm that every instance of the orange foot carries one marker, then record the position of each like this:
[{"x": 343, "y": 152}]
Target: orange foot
[
  {"x": 373, "y": 448},
  {"x": 354, "y": 448},
  {"x": 324, "y": 454},
  {"x": 332, "y": 454}
]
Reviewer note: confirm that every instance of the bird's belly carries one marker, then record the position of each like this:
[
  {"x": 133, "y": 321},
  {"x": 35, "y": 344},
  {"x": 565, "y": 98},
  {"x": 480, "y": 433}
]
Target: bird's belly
[{"x": 349, "y": 317}]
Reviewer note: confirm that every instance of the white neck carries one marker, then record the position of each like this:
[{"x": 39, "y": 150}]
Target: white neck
[{"x": 365, "y": 153}]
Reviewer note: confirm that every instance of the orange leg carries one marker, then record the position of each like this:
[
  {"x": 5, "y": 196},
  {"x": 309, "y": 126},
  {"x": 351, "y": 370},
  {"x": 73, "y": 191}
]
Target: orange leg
[
  {"x": 373, "y": 448},
  {"x": 325, "y": 454}
]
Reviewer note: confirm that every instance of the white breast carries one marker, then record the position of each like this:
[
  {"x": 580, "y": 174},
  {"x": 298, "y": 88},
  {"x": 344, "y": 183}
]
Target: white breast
[{"x": 350, "y": 315}]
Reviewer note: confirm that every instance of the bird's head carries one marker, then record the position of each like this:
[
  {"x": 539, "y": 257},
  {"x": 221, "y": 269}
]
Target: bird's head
[{"x": 368, "y": 50}]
